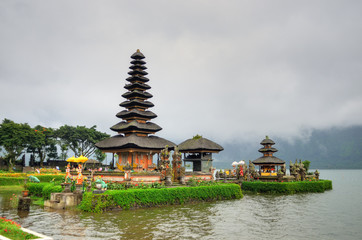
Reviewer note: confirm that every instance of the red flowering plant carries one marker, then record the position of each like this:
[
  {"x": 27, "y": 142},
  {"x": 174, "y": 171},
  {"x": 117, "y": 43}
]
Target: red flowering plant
[{"x": 12, "y": 230}]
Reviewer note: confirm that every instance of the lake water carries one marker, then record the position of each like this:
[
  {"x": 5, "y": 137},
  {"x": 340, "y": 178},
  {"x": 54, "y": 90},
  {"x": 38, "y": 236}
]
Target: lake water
[{"x": 335, "y": 214}]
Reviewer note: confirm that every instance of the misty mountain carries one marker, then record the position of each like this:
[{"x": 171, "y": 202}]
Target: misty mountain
[{"x": 326, "y": 149}]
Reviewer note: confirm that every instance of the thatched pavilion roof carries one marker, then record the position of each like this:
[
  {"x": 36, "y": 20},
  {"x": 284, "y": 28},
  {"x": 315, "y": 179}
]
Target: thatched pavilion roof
[
  {"x": 136, "y": 113},
  {"x": 134, "y": 125},
  {"x": 134, "y": 141},
  {"x": 137, "y": 55},
  {"x": 268, "y": 160},
  {"x": 262, "y": 150},
  {"x": 199, "y": 144},
  {"x": 137, "y": 93},
  {"x": 267, "y": 140}
]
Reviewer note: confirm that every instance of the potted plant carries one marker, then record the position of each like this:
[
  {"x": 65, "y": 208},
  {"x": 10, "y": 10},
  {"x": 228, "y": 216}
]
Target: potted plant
[{"x": 25, "y": 192}]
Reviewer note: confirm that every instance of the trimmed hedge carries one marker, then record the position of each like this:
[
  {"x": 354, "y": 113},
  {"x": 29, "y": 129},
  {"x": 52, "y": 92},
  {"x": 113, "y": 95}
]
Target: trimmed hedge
[
  {"x": 135, "y": 198},
  {"x": 50, "y": 188},
  {"x": 48, "y": 178},
  {"x": 5, "y": 181},
  {"x": 36, "y": 189},
  {"x": 43, "y": 189},
  {"x": 287, "y": 187}
]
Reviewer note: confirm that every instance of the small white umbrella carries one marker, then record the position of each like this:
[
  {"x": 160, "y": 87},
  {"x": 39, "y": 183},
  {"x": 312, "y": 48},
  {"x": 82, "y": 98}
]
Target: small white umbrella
[
  {"x": 241, "y": 162},
  {"x": 234, "y": 164}
]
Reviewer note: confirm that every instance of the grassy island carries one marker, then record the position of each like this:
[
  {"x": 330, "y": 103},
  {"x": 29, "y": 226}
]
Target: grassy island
[
  {"x": 287, "y": 187},
  {"x": 141, "y": 198}
]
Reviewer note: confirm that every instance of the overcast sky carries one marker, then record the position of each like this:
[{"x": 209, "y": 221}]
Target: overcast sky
[{"x": 227, "y": 70}]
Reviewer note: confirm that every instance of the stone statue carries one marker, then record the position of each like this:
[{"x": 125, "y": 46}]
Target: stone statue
[
  {"x": 168, "y": 181},
  {"x": 316, "y": 174},
  {"x": 252, "y": 170},
  {"x": 176, "y": 164},
  {"x": 217, "y": 175},
  {"x": 283, "y": 169},
  {"x": 302, "y": 170},
  {"x": 102, "y": 183},
  {"x": 34, "y": 179},
  {"x": 80, "y": 175},
  {"x": 67, "y": 174},
  {"x": 182, "y": 176}
]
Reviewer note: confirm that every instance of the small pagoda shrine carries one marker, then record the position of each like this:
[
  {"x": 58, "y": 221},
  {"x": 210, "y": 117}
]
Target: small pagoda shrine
[
  {"x": 135, "y": 143},
  {"x": 198, "y": 153},
  {"x": 268, "y": 164}
]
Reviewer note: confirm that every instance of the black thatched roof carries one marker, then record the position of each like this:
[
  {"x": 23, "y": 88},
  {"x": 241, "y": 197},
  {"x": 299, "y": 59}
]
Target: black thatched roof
[
  {"x": 137, "y": 71},
  {"x": 136, "y": 103},
  {"x": 137, "y": 85},
  {"x": 262, "y": 150},
  {"x": 134, "y": 125},
  {"x": 138, "y": 94},
  {"x": 137, "y": 55},
  {"x": 138, "y": 62},
  {"x": 137, "y": 78},
  {"x": 138, "y": 66},
  {"x": 267, "y": 141},
  {"x": 134, "y": 141},
  {"x": 199, "y": 144},
  {"x": 136, "y": 113},
  {"x": 268, "y": 160}
]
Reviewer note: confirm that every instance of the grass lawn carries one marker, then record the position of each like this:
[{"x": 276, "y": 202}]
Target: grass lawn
[{"x": 11, "y": 188}]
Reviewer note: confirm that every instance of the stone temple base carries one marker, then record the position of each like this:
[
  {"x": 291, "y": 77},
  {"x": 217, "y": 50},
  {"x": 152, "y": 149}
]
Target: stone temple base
[{"x": 63, "y": 200}]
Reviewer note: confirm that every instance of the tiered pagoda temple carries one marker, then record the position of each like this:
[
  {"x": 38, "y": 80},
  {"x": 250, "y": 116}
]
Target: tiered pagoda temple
[
  {"x": 135, "y": 143},
  {"x": 268, "y": 164},
  {"x": 198, "y": 153}
]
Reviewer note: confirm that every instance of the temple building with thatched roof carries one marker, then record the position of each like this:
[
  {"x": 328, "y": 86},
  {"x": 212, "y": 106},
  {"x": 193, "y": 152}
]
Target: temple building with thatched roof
[
  {"x": 198, "y": 153},
  {"x": 135, "y": 142},
  {"x": 268, "y": 164}
]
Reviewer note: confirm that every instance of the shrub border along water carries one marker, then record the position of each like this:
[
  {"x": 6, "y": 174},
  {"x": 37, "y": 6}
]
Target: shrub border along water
[
  {"x": 43, "y": 189},
  {"x": 6, "y": 181},
  {"x": 141, "y": 198},
  {"x": 287, "y": 187}
]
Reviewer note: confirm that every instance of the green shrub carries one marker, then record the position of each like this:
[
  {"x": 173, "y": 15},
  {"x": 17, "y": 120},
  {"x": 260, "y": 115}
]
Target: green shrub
[
  {"x": 287, "y": 187},
  {"x": 36, "y": 189},
  {"x": 50, "y": 188},
  {"x": 131, "y": 198},
  {"x": 5, "y": 181},
  {"x": 49, "y": 178}
]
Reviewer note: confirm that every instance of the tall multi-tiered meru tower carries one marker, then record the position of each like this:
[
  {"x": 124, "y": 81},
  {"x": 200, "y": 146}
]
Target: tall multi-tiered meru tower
[{"x": 134, "y": 143}]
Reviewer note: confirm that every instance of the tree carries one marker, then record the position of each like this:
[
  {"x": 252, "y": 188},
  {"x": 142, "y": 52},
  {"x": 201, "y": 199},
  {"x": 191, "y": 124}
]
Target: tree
[
  {"x": 306, "y": 164},
  {"x": 100, "y": 156},
  {"x": 43, "y": 143},
  {"x": 81, "y": 140},
  {"x": 14, "y": 138},
  {"x": 63, "y": 150}
]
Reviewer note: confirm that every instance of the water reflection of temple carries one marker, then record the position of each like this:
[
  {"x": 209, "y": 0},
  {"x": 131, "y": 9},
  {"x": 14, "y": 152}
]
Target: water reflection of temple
[{"x": 268, "y": 164}]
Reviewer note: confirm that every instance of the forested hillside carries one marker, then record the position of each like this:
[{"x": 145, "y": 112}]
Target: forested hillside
[{"x": 333, "y": 148}]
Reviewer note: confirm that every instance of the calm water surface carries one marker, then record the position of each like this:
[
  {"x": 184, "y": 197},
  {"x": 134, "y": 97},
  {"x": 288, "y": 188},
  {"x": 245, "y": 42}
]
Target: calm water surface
[{"x": 335, "y": 214}]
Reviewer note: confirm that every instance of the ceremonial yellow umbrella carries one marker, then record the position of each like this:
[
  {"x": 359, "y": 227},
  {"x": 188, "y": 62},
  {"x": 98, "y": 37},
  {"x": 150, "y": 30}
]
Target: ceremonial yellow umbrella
[
  {"x": 71, "y": 159},
  {"x": 82, "y": 159}
]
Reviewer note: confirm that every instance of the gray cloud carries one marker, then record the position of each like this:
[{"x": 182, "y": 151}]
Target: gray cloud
[{"x": 232, "y": 70}]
